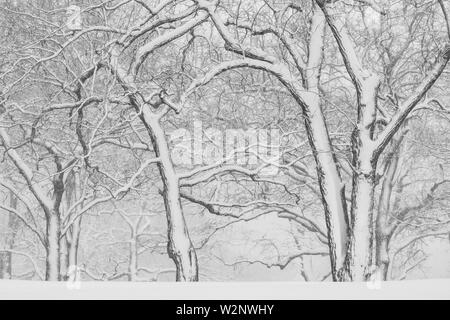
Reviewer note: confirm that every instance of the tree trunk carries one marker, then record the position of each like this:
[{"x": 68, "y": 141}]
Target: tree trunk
[
  {"x": 74, "y": 242},
  {"x": 52, "y": 264},
  {"x": 179, "y": 247},
  {"x": 384, "y": 225},
  {"x": 12, "y": 226},
  {"x": 133, "y": 264},
  {"x": 360, "y": 247},
  {"x": 382, "y": 255},
  {"x": 330, "y": 183},
  {"x": 64, "y": 258},
  {"x": 72, "y": 237}
]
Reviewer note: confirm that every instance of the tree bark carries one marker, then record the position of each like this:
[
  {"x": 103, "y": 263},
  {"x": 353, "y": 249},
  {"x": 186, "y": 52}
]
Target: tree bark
[
  {"x": 70, "y": 241},
  {"x": 52, "y": 261},
  {"x": 179, "y": 247},
  {"x": 359, "y": 255},
  {"x": 330, "y": 184}
]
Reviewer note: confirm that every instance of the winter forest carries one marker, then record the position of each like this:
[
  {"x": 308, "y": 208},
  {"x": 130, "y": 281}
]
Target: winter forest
[{"x": 224, "y": 140}]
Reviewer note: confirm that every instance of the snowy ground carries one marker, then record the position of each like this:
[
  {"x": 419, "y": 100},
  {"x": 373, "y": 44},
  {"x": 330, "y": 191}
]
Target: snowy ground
[{"x": 420, "y": 289}]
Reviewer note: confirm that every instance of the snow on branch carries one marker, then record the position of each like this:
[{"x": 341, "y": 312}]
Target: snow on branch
[
  {"x": 36, "y": 188},
  {"x": 230, "y": 43},
  {"x": 165, "y": 38},
  {"x": 407, "y": 106},
  {"x": 345, "y": 44},
  {"x": 25, "y": 222},
  {"x": 124, "y": 188},
  {"x": 281, "y": 264}
]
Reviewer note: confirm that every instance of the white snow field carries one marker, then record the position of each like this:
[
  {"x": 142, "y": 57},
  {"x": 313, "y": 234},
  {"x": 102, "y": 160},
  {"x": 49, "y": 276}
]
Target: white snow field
[{"x": 411, "y": 289}]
